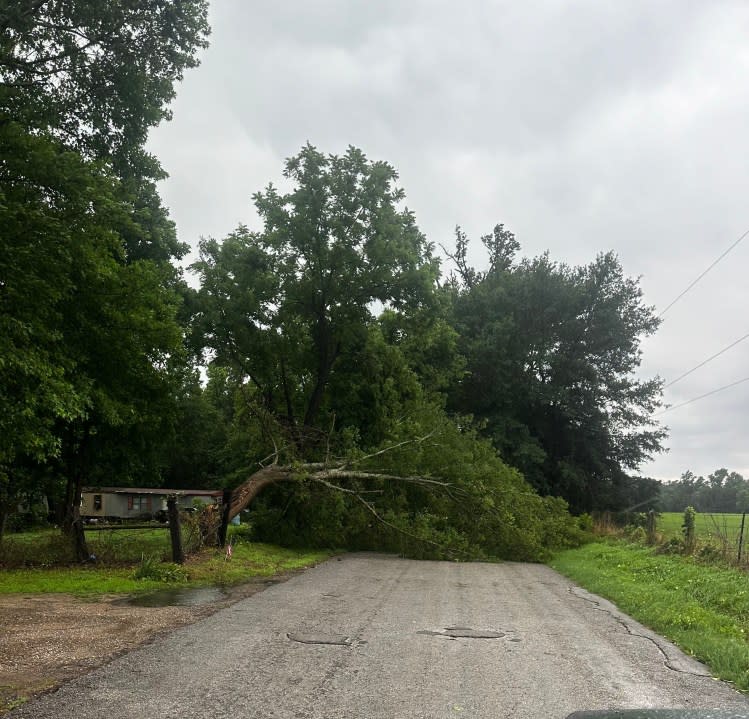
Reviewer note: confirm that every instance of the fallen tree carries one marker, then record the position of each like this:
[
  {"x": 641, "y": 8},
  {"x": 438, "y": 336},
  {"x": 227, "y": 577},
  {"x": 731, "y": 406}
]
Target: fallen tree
[{"x": 465, "y": 504}]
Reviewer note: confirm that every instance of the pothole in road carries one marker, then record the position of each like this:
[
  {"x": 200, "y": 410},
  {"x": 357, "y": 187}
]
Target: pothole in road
[
  {"x": 463, "y": 633},
  {"x": 332, "y": 639}
]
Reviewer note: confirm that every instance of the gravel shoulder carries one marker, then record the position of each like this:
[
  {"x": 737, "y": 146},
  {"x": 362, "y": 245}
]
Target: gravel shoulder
[{"x": 47, "y": 639}]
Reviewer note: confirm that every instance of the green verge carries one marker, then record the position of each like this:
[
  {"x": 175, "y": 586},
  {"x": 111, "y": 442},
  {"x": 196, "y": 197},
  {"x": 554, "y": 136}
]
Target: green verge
[
  {"x": 703, "y": 609},
  {"x": 210, "y": 567}
]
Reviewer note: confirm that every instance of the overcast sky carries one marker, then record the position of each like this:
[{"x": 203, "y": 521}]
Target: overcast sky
[{"x": 582, "y": 126}]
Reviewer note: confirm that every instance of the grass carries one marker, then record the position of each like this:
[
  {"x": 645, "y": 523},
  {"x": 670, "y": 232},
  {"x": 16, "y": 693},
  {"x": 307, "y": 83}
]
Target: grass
[
  {"x": 119, "y": 554},
  {"x": 703, "y": 609},
  {"x": 249, "y": 560},
  {"x": 46, "y": 547},
  {"x": 709, "y": 527}
]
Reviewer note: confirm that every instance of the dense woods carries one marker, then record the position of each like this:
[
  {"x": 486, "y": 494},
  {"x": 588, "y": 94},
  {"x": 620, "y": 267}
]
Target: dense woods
[{"x": 385, "y": 398}]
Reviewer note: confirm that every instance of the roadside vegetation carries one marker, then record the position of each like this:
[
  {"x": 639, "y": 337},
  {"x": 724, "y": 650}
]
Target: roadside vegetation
[
  {"x": 684, "y": 581},
  {"x": 136, "y": 562}
]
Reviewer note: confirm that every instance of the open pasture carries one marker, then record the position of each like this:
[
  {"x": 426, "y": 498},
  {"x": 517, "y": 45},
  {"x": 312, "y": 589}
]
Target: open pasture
[{"x": 722, "y": 530}]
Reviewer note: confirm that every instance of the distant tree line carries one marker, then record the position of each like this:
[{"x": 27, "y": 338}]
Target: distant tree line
[
  {"x": 399, "y": 406},
  {"x": 721, "y": 491}
]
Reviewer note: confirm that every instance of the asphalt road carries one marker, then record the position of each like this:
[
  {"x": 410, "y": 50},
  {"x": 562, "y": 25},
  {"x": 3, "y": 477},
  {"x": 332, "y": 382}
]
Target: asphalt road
[{"x": 399, "y": 639}]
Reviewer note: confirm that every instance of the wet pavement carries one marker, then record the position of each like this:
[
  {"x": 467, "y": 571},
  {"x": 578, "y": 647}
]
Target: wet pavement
[{"x": 368, "y": 636}]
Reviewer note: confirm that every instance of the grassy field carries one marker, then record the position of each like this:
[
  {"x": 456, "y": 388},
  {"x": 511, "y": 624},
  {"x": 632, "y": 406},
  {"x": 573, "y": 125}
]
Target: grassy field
[
  {"x": 122, "y": 553},
  {"x": 703, "y": 609},
  {"x": 710, "y": 527}
]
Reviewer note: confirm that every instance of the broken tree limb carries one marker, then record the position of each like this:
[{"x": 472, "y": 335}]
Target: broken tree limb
[{"x": 243, "y": 495}]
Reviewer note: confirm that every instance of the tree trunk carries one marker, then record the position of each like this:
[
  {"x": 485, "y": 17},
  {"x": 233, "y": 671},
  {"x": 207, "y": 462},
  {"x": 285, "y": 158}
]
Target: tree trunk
[
  {"x": 225, "y": 509},
  {"x": 327, "y": 353},
  {"x": 73, "y": 524},
  {"x": 3, "y": 518},
  {"x": 80, "y": 546},
  {"x": 243, "y": 495}
]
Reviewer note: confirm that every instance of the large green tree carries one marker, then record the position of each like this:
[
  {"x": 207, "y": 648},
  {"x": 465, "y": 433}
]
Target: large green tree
[
  {"x": 44, "y": 193},
  {"x": 97, "y": 75},
  {"x": 90, "y": 341},
  {"x": 88, "y": 295},
  {"x": 552, "y": 356},
  {"x": 282, "y": 307}
]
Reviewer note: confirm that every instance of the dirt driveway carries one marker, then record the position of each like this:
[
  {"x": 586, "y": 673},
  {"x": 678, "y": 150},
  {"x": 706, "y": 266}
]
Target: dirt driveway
[{"x": 46, "y": 639}]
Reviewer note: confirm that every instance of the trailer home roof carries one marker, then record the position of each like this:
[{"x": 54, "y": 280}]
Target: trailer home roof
[{"x": 153, "y": 490}]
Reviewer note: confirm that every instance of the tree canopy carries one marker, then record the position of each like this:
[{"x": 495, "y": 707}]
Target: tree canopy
[
  {"x": 720, "y": 491},
  {"x": 97, "y": 75},
  {"x": 284, "y": 307},
  {"x": 91, "y": 347},
  {"x": 552, "y": 353}
]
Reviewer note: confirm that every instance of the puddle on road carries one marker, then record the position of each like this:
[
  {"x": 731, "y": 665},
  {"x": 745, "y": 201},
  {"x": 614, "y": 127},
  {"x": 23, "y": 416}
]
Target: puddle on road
[{"x": 179, "y": 597}]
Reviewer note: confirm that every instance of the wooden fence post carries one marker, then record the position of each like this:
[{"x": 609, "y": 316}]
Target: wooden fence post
[
  {"x": 178, "y": 556},
  {"x": 741, "y": 536},
  {"x": 651, "y": 527}
]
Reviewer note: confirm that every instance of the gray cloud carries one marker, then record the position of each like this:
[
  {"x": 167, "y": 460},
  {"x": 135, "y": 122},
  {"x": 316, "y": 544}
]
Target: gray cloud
[{"x": 583, "y": 126}]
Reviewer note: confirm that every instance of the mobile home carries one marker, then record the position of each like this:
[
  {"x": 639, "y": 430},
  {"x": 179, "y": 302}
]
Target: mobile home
[{"x": 118, "y": 503}]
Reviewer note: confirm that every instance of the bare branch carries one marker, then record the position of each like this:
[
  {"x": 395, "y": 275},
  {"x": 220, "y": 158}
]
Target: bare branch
[
  {"x": 342, "y": 473},
  {"x": 418, "y": 440}
]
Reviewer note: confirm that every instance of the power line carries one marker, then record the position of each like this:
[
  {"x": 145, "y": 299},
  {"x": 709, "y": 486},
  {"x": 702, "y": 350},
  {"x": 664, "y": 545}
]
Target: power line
[
  {"x": 678, "y": 297},
  {"x": 702, "y": 396},
  {"x": 709, "y": 359}
]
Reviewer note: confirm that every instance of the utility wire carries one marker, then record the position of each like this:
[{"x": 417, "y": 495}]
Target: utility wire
[
  {"x": 678, "y": 297},
  {"x": 709, "y": 359},
  {"x": 702, "y": 396}
]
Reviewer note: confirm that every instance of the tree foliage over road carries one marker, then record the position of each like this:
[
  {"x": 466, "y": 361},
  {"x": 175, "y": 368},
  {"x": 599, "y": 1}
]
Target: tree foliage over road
[{"x": 375, "y": 402}]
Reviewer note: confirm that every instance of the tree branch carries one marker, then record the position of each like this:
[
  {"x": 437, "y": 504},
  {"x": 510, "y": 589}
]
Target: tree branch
[
  {"x": 342, "y": 473},
  {"x": 405, "y": 442}
]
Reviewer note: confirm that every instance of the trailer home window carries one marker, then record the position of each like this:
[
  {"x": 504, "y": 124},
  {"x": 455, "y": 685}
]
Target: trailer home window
[{"x": 139, "y": 504}]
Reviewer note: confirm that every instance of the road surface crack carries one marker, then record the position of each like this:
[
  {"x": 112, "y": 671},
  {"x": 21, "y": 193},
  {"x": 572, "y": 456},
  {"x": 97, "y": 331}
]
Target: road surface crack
[{"x": 668, "y": 661}]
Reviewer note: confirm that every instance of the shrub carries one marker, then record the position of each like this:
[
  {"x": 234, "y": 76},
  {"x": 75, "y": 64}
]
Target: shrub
[
  {"x": 638, "y": 535},
  {"x": 585, "y": 523},
  {"x": 711, "y": 554},
  {"x": 688, "y": 529},
  {"x": 151, "y": 568},
  {"x": 672, "y": 546}
]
